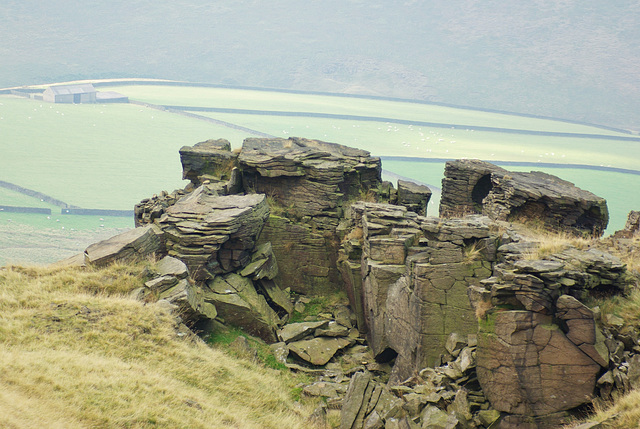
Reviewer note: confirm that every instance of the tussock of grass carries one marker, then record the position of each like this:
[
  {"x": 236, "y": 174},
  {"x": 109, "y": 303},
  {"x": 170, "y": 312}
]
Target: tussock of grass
[
  {"x": 472, "y": 252},
  {"x": 623, "y": 413},
  {"x": 550, "y": 242},
  {"x": 76, "y": 352}
]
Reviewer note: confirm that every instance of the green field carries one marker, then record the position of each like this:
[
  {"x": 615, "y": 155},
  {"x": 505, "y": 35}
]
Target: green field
[
  {"x": 112, "y": 156},
  {"x": 388, "y": 139},
  {"x": 95, "y": 156},
  {"x": 289, "y": 102}
]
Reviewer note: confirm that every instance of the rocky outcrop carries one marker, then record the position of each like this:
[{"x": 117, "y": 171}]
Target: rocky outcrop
[
  {"x": 281, "y": 216},
  {"x": 309, "y": 183},
  {"x": 314, "y": 177},
  {"x": 214, "y": 234},
  {"x": 413, "y": 196},
  {"x": 473, "y": 186},
  {"x": 423, "y": 278},
  {"x": 540, "y": 349},
  {"x": 130, "y": 246},
  {"x": 211, "y": 160},
  {"x": 414, "y": 280}
]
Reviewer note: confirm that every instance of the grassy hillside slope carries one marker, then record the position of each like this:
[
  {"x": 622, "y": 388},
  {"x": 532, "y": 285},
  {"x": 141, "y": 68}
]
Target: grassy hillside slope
[{"x": 75, "y": 352}]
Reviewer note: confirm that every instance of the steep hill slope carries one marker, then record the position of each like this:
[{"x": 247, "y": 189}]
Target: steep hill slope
[
  {"x": 570, "y": 59},
  {"x": 77, "y": 353}
]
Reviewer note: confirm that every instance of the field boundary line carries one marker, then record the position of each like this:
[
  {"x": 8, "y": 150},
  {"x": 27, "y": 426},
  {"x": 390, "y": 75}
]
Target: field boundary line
[
  {"x": 518, "y": 164},
  {"x": 36, "y": 194},
  {"x": 399, "y": 121},
  {"x": 169, "y": 109},
  {"x": 346, "y": 95}
]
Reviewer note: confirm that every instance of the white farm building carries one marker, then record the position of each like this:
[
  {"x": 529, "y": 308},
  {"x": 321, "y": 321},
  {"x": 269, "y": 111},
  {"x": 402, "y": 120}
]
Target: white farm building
[{"x": 81, "y": 93}]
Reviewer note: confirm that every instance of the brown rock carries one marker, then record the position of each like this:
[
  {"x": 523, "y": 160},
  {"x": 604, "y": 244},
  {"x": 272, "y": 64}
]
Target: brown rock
[
  {"x": 473, "y": 186},
  {"x": 129, "y": 246},
  {"x": 527, "y": 366}
]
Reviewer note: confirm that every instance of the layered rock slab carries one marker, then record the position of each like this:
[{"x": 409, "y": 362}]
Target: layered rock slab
[
  {"x": 129, "y": 246},
  {"x": 473, "y": 186},
  {"x": 309, "y": 184},
  {"x": 207, "y": 160},
  {"x": 214, "y": 234}
]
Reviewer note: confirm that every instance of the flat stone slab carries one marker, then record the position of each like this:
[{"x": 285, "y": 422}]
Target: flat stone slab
[
  {"x": 318, "y": 351},
  {"x": 129, "y": 246},
  {"x": 295, "y": 331}
]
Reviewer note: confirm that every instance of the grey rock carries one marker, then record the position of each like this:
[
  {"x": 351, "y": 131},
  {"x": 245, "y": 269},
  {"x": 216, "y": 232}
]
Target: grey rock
[
  {"x": 214, "y": 234},
  {"x": 373, "y": 421},
  {"x": 295, "y": 331},
  {"x": 488, "y": 417},
  {"x": 455, "y": 343},
  {"x": 323, "y": 388},
  {"x": 238, "y": 304},
  {"x": 634, "y": 371},
  {"x": 318, "y": 351},
  {"x": 413, "y": 196},
  {"x": 162, "y": 283},
  {"x": 280, "y": 352},
  {"x": 169, "y": 266},
  {"x": 473, "y": 186},
  {"x": 333, "y": 329},
  {"x": 354, "y": 400},
  {"x": 211, "y": 159},
  {"x": 434, "y": 418}
]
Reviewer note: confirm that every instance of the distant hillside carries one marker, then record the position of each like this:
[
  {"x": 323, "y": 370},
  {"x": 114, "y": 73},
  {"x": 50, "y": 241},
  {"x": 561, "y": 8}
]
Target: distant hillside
[{"x": 571, "y": 59}]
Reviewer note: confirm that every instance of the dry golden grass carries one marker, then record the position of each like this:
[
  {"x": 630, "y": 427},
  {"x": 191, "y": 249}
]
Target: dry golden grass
[
  {"x": 550, "y": 242},
  {"x": 76, "y": 352},
  {"x": 624, "y": 413}
]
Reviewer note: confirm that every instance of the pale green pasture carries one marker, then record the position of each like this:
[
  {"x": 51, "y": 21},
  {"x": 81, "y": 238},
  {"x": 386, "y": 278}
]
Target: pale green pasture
[
  {"x": 612, "y": 186},
  {"x": 67, "y": 223},
  {"x": 281, "y": 101},
  {"x": 96, "y": 156},
  {"x": 13, "y": 198},
  {"x": 388, "y": 139}
]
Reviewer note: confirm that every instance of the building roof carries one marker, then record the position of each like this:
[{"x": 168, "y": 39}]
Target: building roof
[{"x": 85, "y": 88}]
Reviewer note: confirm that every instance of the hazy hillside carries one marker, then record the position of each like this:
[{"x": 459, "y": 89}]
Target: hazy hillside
[{"x": 571, "y": 59}]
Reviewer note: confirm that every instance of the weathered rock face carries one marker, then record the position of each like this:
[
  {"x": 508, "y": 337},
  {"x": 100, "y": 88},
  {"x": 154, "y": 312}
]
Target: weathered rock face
[
  {"x": 309, "y": 183},
  {"x": 306, "y": 255},
  {"x": 314, "y": 177},
  {"x": 415, "y": 276},
  {"x": 473, "y": 186},
  {"x": 208, "y": 160},
  {"x": 539, "y": 348},
  {"x": 434, "y": 291},
  {"x": 214, "y": 234},
  {"x": 424, "y": 278},
  {"x": 414, "y": 197},
  {"x": 527, "y": 366}
]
